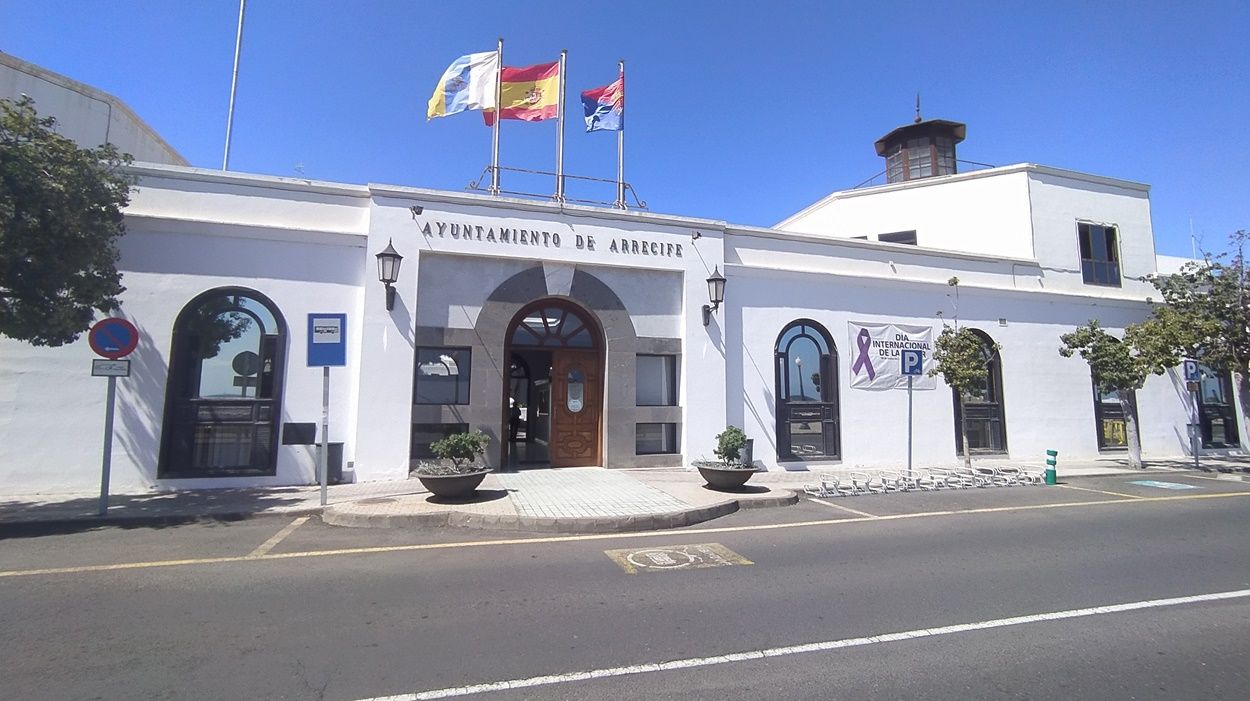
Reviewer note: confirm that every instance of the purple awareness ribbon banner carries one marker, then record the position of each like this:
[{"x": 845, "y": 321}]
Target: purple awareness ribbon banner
[{"x": 863, "y": 342}]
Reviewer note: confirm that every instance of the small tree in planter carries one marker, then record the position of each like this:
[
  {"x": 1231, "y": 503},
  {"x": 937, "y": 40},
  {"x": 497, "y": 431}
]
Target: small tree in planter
[
  {"x": 729, "y": 444},
  {"x": 462, "y": 476},
  {"x": 729, "y": 473}
]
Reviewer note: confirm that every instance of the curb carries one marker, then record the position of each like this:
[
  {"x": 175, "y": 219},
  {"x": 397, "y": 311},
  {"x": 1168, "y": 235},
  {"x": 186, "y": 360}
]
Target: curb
[
  {"x": 124, "y": 521},
  {"x": 334, "y": 516}
]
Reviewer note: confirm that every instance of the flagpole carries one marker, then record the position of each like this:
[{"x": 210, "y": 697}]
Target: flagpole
[
  {"x": 560, "y": 133},
  {"x": 620, "y": 146},
  {"x": 494, "y": 134},
  {"x": 234, "y": 83}
]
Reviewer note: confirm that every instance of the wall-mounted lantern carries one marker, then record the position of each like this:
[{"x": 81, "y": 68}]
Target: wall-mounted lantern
[
  {"x": 388, "y": 272},
  {"x": 716, "y": 293}
]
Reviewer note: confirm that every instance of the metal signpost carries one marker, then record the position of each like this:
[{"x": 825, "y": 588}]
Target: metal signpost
[
  {"x": 114, "y": 339},
  {"x": 1193, "y": 378},
  {"x": 327, "y": 346},
  {"x": 912, "y": 365}
]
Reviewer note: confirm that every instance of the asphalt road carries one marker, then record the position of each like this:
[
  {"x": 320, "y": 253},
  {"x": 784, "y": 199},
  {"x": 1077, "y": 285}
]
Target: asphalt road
[{"x": 197, "y": 612}]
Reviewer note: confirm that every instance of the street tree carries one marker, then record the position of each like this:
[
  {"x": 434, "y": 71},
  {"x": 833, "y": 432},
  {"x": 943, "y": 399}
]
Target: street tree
[
  {"x": 1206, "y": 311},
  {"x": 60, "y": 219},
  {"x": 962, "y": 357},
  {"x": 1121, "y": 367}
]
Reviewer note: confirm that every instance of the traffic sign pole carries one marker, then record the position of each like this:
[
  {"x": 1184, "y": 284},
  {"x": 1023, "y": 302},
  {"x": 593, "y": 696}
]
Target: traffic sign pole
[
  {"x": 324, "y": 458},
  {"x": 910, "y": 378},
  {"x": 911, "y": 364},
  {"x": 108, "y": 447}
]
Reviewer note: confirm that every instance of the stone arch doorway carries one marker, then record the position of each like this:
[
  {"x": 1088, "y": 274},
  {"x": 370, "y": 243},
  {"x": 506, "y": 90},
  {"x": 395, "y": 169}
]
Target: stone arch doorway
[{"x": 553, "y": 402}]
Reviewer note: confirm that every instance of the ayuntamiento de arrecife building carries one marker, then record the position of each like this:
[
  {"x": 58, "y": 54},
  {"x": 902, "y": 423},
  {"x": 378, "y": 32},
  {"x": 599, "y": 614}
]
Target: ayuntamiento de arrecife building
[{"x": 575, "y": 335}]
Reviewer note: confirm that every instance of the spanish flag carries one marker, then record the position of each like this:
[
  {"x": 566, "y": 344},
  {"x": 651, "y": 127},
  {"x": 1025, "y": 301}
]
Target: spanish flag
[{"x": 531, "y": 93}]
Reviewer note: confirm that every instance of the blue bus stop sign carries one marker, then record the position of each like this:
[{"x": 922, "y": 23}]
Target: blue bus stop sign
[
  {"x": 327, "y": 340},
  {"x": 913, "y": 362}
]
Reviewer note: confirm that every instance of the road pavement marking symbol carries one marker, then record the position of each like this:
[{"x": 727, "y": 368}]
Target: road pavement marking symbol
[
  {"x": 668, "y": 558},
  {"x": 1103, "y": 491},
  {"x": 278, "y": 537},
  {"x": 599, "y": 536},
  {"x": 824, "y": 646},
  {"x": 844, "y": 508},
  {"x": 1164, "y": 485}
]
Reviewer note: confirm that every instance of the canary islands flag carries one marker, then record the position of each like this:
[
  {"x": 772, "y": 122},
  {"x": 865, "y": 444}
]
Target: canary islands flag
[
  {"x": 467, "y": 84},
  {"x": 605, "y": 107},
  {"x": 531, "y": 93}
]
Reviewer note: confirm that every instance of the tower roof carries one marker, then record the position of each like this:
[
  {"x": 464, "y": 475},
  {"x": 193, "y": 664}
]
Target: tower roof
[{"x": 956, "y": 130}]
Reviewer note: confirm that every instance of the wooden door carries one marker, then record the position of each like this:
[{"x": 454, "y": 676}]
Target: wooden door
[{"x": 576, "y": 408}]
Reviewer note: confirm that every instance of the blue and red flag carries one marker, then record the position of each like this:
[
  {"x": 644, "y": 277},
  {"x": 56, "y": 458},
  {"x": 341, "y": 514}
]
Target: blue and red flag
[{"x": 605, "y": 106}]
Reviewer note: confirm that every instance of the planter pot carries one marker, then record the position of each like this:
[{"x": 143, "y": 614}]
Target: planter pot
[
  {"x": 725, "y": 479},
  {"x": 453, "y": 486}
]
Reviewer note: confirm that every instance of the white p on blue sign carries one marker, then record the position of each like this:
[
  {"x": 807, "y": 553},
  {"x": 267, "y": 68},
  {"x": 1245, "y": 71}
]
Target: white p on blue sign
[
  {"x": 913, "y": 362},
  {"x": 327, "y": 340},
  {"x": 1191, "y": 371}
]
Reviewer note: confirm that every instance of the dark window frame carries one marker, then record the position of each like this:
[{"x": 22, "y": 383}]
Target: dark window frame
[
  {"x": 676, "y": 447},
  {"x": 994, "y": 402},
  {"x": 826, "y": 411},
  {"x": 672, "y": 378},
  {"x": 185, "y": 412},
  {"x": 907, "y": 238},
  {"x": 1225, "y": 411},
  {"x": 449, "y": 428},
  {"x": 1096, "y": 270},
  {"x": 416, "y": 376},
  {"x": 1113, "y": 410}
]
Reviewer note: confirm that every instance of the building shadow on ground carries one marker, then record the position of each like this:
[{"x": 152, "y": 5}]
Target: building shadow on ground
[{"x": 28, "y": 517}]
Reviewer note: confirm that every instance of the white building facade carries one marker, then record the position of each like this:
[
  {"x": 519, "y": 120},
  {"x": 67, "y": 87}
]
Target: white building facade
[{"x": 575, "y": 335}]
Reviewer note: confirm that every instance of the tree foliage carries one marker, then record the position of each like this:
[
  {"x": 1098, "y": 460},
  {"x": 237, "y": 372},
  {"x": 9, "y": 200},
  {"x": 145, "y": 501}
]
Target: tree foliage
[
  {"x": 60, "y": 218},
  {"x": 1207, "y": 312},
  {"x": 1122, "y": 366},
  {"x": 961, "y": 357}
]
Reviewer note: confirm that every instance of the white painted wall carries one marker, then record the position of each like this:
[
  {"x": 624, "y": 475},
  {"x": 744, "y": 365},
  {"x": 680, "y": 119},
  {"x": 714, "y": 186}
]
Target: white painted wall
[
  {"x": 1048, "y": 399},
  {"x": 84, "y": 114},
  {"x": 983, "y": 212}
]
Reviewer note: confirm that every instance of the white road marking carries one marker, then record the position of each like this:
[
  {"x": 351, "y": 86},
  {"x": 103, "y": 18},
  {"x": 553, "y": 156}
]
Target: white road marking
[
  {"x": 1103, "y": 491},
  {"x": 278, "y": 537},
  {"x": 844, "y": 508},
  {"x": 550, "y": 679}
]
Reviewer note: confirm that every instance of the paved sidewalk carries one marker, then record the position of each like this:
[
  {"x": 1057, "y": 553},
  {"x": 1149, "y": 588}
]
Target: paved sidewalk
[{"x": 557, "y": 500}]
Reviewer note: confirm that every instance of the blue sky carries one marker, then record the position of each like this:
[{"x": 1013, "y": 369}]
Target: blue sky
[{"x": 743, "y": 111}]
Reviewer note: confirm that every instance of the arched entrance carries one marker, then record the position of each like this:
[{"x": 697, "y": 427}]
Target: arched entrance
[
  {"x": 224, "y": 396},
  {"x": 553, "y": 401}
]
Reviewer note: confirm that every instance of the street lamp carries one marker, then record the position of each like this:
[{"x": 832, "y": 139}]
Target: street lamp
[
  {"x": 799, "y": 362},
  {"x": 716, "y": 293},
  {"x": 388, "y": 272}
]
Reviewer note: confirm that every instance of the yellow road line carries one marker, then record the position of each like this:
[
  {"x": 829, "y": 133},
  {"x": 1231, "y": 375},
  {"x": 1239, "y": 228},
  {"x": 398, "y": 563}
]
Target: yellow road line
[
  {"x": 839, "y": 506},
  {"x": 1102, "y": 491},
  {"x": 278, "y": 537},
  {"x": 602, "y": 536}
]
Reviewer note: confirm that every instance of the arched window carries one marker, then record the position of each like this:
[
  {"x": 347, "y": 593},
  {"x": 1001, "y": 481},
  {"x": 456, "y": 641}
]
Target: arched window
[
  {"x": 225, "y": 387},
  {"x": 983, "y": 406},
  {"x": 806, "y": 364},
  {"x": 553, "y": 326}
]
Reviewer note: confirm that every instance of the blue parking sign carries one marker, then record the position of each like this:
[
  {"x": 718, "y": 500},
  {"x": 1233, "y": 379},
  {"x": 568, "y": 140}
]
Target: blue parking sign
[
  {"x": 1192, "y": 373},
  {"x": 913, "y": 362}
]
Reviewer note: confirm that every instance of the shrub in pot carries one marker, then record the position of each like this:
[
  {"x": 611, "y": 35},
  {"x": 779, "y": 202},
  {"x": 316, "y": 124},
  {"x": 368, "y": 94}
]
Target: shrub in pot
[
  {"x": 729, "y": 473},
  {"x": 457, "y": 473}
]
